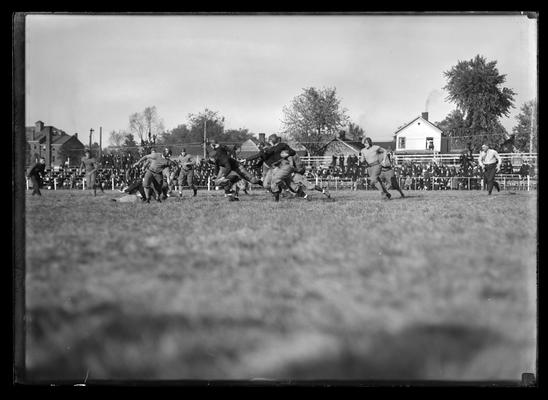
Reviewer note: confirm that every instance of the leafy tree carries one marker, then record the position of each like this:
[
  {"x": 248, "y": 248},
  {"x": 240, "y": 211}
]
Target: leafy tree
[
  {"x": 313, "y": 117},
  {"x": 179, "y": 134},
  {"x": 355, "y": 132},
  {"x": 453, "y": 123},
  {"x": 214, "y": 125},
  {"x": 522, "y": 130},
  {"x": 475, "y": 87},
  {"x": 237, "y": 136},
  {"x": 117, "y": 138}
]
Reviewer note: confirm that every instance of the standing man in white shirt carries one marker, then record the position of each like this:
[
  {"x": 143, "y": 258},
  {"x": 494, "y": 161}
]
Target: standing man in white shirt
[{"x": 490, "y": 161}]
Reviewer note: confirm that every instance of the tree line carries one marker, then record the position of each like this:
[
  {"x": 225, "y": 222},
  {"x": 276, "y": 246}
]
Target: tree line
[{"x": 316, "y": 115}]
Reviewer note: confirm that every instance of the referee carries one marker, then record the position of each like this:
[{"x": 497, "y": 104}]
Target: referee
[{"x": 490, "y": 161}]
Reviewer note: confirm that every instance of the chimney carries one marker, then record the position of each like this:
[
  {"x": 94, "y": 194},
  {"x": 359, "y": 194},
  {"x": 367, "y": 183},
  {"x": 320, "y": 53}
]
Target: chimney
[
  {"x": 342, "y": 135},
  {"x": 425, "y": 115},
  {"x": 262, "y": 138},
  {"x": 76, "y": 135},
  {"x": 48, "y": 146},
  {"x": 39, "y": 126}
]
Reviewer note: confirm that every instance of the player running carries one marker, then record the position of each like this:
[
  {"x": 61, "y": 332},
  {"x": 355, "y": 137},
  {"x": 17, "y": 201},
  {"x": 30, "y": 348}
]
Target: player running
[
  {"x": 230, "y": 171},
  {"x": 274, "y": 171},
  {"x": 388, "y": 176},
  {"x": 154, "y": 172},
  {"x": 373, "y": 155},
  {"x": 90, "y": 165},
  {"x": 36, "y": 174},
  {"x": 298, "y": 182},
  {"x": 186, "y": 172}
]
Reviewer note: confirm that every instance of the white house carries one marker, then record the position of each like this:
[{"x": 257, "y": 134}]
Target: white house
[{"x": 420, "y": 136}]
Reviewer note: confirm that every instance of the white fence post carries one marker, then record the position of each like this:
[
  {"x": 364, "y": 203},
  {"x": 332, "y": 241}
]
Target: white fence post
[
  {"x": 54, "y": 183},
  {"x": 27, "y": 181},
  {"x": 208, "y": 183},
  {"x": 113, "y": 183},
  {"x": 528, "y": 183},
  {"x": 83, "y": 183}
]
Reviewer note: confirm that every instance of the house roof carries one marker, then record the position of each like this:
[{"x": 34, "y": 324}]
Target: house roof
[
  {"x": 248, "y": 148},
  {"x": 61, "y": 139},
  {"x": 296, "y": 146},
  {"x": 386, "y": 145},
  {"x": 419, "y": 117},
  {"x": 353, "y": 145}
]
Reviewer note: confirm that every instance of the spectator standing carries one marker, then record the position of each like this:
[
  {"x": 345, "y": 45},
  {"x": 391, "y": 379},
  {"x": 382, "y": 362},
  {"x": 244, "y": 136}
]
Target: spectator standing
[{"x": 490, "y": 161}]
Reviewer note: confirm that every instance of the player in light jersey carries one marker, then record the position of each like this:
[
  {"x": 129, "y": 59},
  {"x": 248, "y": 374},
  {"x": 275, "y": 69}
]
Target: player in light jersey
[
  {"x": 90, "y": 165},
  {"x": 154, "y": 172},
  {"x": 374, "y": 155}
]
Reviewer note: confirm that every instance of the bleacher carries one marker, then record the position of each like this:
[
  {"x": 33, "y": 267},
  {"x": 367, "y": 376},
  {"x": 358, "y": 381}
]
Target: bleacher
[{"x": 423, "y": 175}]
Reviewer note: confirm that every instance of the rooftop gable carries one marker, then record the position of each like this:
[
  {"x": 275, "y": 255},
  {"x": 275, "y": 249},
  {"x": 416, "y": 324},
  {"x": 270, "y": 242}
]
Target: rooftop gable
[{"x": 419, "y": 117}]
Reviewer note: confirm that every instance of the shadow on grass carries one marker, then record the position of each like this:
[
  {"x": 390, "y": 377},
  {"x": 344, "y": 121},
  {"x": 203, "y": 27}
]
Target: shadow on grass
[
  {"x": 419, "y": 352},
  {"x": 106, "y": 343}
]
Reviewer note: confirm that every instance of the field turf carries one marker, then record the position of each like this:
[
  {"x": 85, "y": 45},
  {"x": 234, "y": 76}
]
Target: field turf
[{"x": 436, "y": 286}]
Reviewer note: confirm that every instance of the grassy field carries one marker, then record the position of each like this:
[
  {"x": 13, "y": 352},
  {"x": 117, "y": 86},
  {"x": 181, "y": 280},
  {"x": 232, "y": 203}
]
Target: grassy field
[{"x": 440, "y": 285}]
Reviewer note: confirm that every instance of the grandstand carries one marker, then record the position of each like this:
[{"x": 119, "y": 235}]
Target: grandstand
[{"x": 518, "y": 172}]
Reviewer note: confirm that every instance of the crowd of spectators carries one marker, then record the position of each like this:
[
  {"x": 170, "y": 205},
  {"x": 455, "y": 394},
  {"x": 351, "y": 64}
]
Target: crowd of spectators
[{"x": 412, "y": 175}]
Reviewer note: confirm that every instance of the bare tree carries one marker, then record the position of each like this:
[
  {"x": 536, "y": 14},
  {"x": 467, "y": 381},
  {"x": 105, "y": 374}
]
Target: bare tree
[{"x": 146, "y": 124}]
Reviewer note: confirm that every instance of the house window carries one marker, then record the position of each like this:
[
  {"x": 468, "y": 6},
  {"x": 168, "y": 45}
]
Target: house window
[
  {"x": 429, "y": 143},
  {"x": 401, "y": 143}
]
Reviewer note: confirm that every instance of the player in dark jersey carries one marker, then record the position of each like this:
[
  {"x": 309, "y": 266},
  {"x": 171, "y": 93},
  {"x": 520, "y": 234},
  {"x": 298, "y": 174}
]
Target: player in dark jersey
[
  {"x": 36, "y": 174},
  {"x": 276, "y": 171},
  {"x": 230, "y": 171}
]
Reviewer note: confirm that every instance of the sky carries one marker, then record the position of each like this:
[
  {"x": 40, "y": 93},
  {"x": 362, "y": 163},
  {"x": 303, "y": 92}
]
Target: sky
[{"x": 92, "y": 71}]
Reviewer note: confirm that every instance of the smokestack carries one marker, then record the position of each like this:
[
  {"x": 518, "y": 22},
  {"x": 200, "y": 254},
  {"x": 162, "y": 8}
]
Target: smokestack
[
  {"x": 425, "y": 115},
  {"x": 48, "y": 147},
  {"x": 39, "y": 126},
  {"x": 262, "y": 137}
]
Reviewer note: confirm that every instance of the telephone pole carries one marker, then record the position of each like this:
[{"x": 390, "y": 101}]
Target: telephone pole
[
  {"x": 532, "y": 127},
  {"x": 205, "y": 137},
  {"x": 90, "y": 133},
  {"x": 100, "y": 142}
]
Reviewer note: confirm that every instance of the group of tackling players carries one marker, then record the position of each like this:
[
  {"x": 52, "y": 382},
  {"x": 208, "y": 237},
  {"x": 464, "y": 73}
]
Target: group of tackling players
[
  {"x": 282, "y": 170},
  {"x": 154, "y": 175}
]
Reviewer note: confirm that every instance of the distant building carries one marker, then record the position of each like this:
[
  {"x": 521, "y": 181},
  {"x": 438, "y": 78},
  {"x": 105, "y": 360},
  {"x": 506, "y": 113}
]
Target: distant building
[
  {"x": 252, "y": 146},
  {"x": 339, "y": 145},
  {"x": 248, "y": 148},
  {"x": 420, "y": 136},
  {"x": 56, "y": 146}
]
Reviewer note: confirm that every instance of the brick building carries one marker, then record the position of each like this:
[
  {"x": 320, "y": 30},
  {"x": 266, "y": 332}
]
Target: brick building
[{"x": 55, "y": 145}]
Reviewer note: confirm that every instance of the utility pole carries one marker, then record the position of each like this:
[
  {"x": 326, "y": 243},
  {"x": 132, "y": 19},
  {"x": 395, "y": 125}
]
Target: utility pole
[
  {"x": 100, "y": 142},
  {"x": 90, "y": 133},
  {"x": 532, "y": 127},
  {"x": 205, "y": 137}
]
